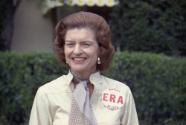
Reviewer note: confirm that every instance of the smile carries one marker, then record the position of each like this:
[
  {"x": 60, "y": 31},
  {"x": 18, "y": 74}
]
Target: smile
[{"x": 78, "y": 59}]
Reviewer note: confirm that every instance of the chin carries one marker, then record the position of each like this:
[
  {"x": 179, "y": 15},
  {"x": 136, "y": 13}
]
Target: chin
[{"x": 79, "y": 69}]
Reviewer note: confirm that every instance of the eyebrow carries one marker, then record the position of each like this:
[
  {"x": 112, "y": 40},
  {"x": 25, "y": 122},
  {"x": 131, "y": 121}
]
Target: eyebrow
[
  {"x": 83, "y": 41},
  {"x": 69, "y": 41}
]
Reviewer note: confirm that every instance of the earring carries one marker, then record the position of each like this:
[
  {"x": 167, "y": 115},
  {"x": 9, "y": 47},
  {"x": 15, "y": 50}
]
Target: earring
[
  {"x": 66, "y": 61},
  {"x": 99, "y": 61}
]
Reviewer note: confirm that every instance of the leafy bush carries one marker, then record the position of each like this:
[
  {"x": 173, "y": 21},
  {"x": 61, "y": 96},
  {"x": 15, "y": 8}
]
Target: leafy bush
[
  {"x": 158, "y": 83},
  {"x": 150, "y": 26},
  {"x": 20, "y": 77}
]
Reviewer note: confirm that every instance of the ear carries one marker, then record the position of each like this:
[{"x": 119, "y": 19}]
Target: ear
[{"x": 99, "y": 51}]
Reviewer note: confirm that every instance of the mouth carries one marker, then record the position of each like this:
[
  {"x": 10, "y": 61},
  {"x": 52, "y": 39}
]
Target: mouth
[{"x": 78, "y": 60}]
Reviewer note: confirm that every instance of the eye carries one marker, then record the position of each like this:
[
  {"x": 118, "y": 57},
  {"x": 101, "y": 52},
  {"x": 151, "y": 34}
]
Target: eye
[
  {"x": 70, "y": 44},
  {"x": 85, "y": 44}
]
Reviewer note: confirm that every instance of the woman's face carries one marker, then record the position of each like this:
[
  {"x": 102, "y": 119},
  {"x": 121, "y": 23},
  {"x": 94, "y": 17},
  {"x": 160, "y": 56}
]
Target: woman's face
[{"x": 81, "y": 50}]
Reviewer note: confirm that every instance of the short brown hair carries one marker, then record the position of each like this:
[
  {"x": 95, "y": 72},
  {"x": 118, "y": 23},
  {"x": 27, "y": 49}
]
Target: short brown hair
[{"x": 97, "y": 24}]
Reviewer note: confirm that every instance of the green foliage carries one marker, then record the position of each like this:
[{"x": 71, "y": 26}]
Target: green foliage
[
  {"x": 150, "y": 26},
  {"x": 158, "y": 83},
  {"x": 20, "y": 77}
]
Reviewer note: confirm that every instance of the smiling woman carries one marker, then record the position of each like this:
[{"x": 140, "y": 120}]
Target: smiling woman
[
  {"x": 84, "y": 96},
  {"x": 81, "y": 51}
]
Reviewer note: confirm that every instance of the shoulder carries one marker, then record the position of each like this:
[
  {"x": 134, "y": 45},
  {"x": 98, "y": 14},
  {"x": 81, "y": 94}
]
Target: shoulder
[
  {"x": 55, "y": 86},
  {"x": 110, "y": 83},
  {"x": 115, "y": 83}
]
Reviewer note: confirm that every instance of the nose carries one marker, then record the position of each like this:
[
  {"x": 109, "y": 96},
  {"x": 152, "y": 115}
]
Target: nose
[{"x": 77, "y": 49}]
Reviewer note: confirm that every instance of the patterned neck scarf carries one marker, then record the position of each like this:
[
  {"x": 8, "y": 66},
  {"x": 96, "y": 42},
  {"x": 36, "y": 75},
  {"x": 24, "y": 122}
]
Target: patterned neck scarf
[{"x": 81, "y": 111}]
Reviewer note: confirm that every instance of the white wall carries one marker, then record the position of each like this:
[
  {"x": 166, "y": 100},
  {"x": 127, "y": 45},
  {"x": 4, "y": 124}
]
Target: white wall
[{"x": 32, "y": 32}]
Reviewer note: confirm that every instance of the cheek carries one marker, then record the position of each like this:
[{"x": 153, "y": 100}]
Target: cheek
[
  {"x": 66, "y": 52},
  {"x": 66, "y": 55},
  {"x": 94, "y": 58}
]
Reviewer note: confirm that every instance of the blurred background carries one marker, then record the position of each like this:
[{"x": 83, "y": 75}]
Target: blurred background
[{"x": 150, "y": 41}]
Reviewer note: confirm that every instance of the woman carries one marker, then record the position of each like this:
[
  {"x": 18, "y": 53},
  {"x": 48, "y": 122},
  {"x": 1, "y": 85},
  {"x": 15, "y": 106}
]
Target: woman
[{"x": 84, "y": 96}]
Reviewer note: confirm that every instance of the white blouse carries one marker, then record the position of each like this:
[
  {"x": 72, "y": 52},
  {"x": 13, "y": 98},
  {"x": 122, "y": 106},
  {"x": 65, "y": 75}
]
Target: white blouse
[{"x": 112, "y": 102}]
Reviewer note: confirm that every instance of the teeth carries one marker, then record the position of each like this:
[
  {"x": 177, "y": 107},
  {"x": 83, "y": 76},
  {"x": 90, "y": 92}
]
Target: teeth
[{"x": 78, "y": 59}]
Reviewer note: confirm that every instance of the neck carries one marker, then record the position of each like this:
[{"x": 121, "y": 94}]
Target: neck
[{"x": 81, "y": 77}]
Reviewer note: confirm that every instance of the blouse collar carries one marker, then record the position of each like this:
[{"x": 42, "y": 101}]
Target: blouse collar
[{"x": 94, "y": 78}]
